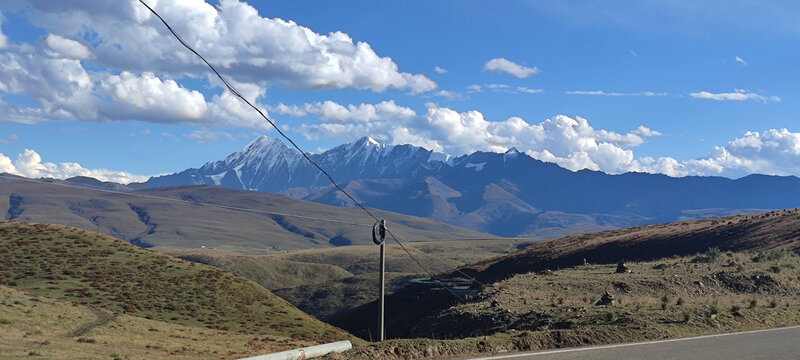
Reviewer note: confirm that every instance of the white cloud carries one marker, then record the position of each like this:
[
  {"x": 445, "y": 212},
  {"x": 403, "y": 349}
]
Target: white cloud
[
  {"x": 570, "y": 142},
  {"x": 3, "y": 38},
  {"x": 504, "y": 88},
  {"x": 440, "y": 70},
  {"x": 511, "y": 68},
  {"x": 9, "y": 139},
  {"x": 134, "y": 67},
  {"x": 604, "y": 93},
  {"x": 248, "y": 46},
  {"x": 528, "y": 90},
  {"x": 204, "y": 134},
  {"x": 634, "y": 53},
  {"x": 498, "y": 87},
  {"x": 283, "y": 109},
  {"x": 67, "y": 48},
  {"x": 737, "y": 95},
  {"x": 773, "y": 152},
  {"x": 334, "y": 112},
  {"x": 29, "y": 164},
  {"x": 449, "y": 94},
  {"x": 741, "y": 61},
  {"x": 147, "y": 92}
]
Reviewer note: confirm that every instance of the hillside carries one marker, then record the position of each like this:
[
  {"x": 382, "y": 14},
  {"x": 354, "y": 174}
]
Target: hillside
[
  {"x": 740, "y": 233},
  {"x": 153, "y": 218},
  {"x": 323, "y": 282},
  {"x": 37, "y": 327},
  {"x": 65, "y": 263}
]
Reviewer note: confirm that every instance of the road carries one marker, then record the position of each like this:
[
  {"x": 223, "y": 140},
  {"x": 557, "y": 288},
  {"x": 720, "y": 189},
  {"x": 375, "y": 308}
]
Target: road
[{"x": 780, "y": 343}]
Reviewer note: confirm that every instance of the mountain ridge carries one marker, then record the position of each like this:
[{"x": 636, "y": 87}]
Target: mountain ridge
[{"x": 506, "y": 194}]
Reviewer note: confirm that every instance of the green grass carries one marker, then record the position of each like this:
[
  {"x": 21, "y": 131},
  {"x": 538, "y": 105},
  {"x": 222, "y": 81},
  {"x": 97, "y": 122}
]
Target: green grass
[{"x": 90, "y": 269}]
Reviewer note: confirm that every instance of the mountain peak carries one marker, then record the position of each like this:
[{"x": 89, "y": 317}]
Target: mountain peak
[
  {"x": 368, "y": 141},
  {"x": 512, "y": 153}
]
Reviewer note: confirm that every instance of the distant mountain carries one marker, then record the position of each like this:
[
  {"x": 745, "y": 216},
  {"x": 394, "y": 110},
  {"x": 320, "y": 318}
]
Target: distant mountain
[
  {"x": 508, "y": 194},
  {"x": 268, "y": 165}
]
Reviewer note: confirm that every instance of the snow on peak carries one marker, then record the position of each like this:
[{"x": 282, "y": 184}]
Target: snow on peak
[
  {"x": 372, "y": 141},
  {"x": 478, "y": 166},
  {"x": 445, "y": 158}
]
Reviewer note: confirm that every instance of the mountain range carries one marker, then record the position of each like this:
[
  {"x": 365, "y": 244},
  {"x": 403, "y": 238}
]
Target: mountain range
[{"x": 506, "y": 194}]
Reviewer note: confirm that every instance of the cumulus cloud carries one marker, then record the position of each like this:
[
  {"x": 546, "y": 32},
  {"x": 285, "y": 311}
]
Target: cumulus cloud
[
  {"x": 147, "y": 92},
  {"x": 737, "y": 95},
  {"x": 510, "y": 67},
  {"x": 439, "y": 70},
  {"x": 249, "y": 47},
  {"x": 569, "y": 142},
  {"x": 30, "y": 164},
  {"x": 774, "y": 152},
  {"x": 385, "y": 110},
  {"x": 67, "y": 48}
]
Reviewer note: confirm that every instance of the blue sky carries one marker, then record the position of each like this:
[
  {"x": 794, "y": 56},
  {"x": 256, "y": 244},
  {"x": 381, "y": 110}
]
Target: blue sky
[{"x": 677, "y": 87}]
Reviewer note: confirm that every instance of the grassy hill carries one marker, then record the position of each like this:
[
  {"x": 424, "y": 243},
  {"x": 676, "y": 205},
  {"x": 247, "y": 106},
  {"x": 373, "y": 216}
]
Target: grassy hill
[
  {"x": 762, "y": 263},
  {"x": 323, "y": 282},
  {"x": 84, "y": 268},
  {"x": 37, "y": 327},
  {"x": 174, "y": 217}
]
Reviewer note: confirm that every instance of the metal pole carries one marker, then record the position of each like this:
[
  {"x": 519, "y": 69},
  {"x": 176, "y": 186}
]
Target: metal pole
[{"x": 383, "y": 283}]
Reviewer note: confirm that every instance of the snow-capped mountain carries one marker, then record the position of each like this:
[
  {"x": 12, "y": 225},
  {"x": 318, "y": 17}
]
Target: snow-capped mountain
[
  {"x": 268, "y": 165},
  {"x": 506, "y": 194}
]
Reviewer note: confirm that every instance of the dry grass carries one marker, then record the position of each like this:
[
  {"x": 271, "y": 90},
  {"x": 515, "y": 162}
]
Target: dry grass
[
  {"x": 667, "y": 298},
  {"x": 36, "y": 327},
  {"x": 94, "y": 270}
]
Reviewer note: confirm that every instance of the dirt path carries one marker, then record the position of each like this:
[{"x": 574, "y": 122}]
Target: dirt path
[{"x": 102, "y": 319}]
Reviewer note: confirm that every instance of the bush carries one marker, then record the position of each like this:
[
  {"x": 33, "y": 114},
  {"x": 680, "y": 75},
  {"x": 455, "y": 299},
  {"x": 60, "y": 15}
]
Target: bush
[
  {"x": 713, "y": 254},
  {"x": 609, "y": 316},
  {"x": 687, "y": 316},
  {"x": 679, "y": 302},
  {"x": 714, "y": 308},
  {"x": 753, "y": 303}
]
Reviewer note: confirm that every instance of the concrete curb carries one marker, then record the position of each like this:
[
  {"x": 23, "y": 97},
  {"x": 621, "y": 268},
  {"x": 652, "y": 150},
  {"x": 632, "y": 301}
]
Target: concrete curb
[{"x": 306, "y": 352}]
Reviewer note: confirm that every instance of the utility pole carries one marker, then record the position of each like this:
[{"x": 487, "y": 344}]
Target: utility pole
[
  {"x": 383, "y": 283},
  {"x": 378, "y": 237}
]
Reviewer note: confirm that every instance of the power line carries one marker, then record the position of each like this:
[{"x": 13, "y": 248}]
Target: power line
[
  {"x": 235, "y": 92},
  {"x": 305, "y": 155}
]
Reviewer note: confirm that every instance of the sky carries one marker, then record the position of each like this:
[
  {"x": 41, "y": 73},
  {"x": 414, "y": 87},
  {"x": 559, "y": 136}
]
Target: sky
[{"x": 677, "y": 87}]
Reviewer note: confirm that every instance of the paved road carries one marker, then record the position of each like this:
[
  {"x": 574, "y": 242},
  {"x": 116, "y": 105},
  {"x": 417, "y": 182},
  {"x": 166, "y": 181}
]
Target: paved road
[{"x": 780, "y": 343}]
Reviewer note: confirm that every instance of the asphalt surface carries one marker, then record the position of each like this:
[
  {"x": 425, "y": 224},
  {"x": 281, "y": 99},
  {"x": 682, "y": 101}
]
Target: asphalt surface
[{"x": 779, "y": 343}]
